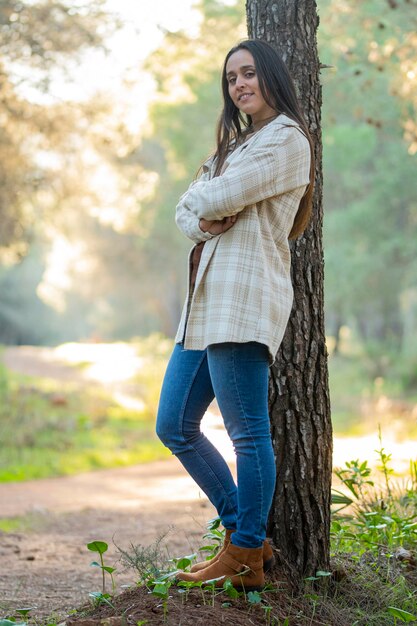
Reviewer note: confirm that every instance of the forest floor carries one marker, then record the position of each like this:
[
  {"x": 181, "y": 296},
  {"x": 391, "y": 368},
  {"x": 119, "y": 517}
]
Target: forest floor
[
  {"x": 44, "y": 560},
  {"x": 46, "y": 564}
]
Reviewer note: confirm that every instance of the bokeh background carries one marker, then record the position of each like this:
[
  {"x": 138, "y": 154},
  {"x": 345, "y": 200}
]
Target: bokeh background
[{"x": 107, "y": 110}]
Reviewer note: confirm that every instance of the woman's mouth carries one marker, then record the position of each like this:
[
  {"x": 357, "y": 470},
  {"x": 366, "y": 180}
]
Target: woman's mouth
[{"x": 244, "y": 97}]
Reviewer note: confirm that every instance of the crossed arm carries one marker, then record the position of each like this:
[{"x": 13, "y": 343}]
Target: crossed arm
[
  {"x": 265, "y": 171},
  {"x": 200, "y": 229}
]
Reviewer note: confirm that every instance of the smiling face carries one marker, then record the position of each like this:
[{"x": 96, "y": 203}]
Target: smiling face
[{"x": 244, "y": 87}]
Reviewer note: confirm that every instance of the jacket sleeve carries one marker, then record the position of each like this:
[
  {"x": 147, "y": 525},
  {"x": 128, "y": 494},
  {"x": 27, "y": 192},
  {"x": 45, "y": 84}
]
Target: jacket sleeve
[
  {"x": 276, "y": 166},
  {"x": 187, "y": 222}
]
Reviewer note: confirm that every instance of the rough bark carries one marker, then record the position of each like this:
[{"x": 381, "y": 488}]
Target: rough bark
[{"x": 299, "y": 395}]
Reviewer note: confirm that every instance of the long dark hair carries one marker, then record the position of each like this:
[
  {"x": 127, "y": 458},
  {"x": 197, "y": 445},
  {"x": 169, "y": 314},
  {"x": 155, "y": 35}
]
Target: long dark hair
[{"x": 279, "y": 93}]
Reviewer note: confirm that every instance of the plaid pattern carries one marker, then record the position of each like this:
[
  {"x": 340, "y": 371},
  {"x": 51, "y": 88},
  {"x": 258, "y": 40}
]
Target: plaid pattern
[{"x": 243, "y": 288}]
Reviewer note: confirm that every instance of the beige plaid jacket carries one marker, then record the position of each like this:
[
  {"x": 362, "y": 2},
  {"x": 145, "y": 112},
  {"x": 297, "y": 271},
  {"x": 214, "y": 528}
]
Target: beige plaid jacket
[{"x": 243, "y": 288}]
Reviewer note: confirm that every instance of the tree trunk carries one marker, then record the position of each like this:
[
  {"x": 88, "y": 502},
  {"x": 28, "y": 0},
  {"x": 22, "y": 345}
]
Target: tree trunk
[{"x": 299, "y": 395}]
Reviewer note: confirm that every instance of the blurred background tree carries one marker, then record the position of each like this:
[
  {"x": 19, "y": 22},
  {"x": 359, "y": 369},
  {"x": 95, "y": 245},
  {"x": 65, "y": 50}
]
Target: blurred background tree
[
  {"x": 89, "y": 247},
  {"x": 38, "y": 142},
  {"x": 370, "y": 163}
]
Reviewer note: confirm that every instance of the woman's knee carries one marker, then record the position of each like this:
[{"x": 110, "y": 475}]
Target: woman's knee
[
  {"x": 165, "y": 428},
  {"x": 175, "y": 435},
  {"x": 170, "y": 432}
]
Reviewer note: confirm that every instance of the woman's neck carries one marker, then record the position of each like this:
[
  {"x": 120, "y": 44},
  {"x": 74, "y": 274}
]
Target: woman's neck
[{"x": 258, "y": 124}]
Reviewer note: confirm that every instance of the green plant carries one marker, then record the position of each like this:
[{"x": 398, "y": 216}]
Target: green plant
[
  {"x": 101, "y": 547},
  {"x": 254, "y": 597},
  {"x": 11, "y": 619},
  {"x": 215, "y": 535},
  {"x": 210, "y": 586},
  {"x": 385, "y": 459},
  {"x": 161, "y": 589},
  {"x": 230, "y": 590},
  {"x": 183, "y": 562},
  {"x": 100, "y": 598},
  {"x": 150, "y": 562},
  {"x": 24, "y": 612},
  {"x": 268, "y": 610},
  {"x": 355, "y": 477},
  {"x": 319, "y": 575},
  {"x": 400, "y": 614}
]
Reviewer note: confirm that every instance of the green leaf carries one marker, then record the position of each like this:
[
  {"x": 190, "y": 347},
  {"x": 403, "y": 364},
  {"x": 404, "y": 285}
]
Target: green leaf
[
  {"x": 229, "y": 589},
  {"x": 312, "y": 596},
  {"x": 254, "y": 597},
  {"x": 165, "y": 577},
  {"x": 101, "y": 597},
  {"x": 211, "y": 581},
  {"x": 161, "y": 590},
  {"x": 213, "y": 523},
  {"x": 349, "y": 535},
  {"x": 408, "y": 526},
  {"x": 24, "y": 611},
  {"x": 95, "y": 564},
  {"x": 404, "y": 616},
  {"x": 322, "y": 574},
  {"x": 340, "y": 498},
  {"x": 9, "y": 622},
  {"x": 209, "y": 585},
  {"x": 98, "y": 546},
  {"x": 191, "y": 556},
  {"x": 183, "y": 563},
  {"x": 109, "y": 569}
]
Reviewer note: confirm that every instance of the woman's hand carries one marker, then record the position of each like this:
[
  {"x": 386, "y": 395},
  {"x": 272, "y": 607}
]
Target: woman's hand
[{"x": 216, "y": 227}]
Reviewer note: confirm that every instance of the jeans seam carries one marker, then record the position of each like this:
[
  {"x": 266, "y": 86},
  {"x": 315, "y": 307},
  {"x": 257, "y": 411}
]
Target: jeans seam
[
  {"x": 251, "y": 436},
  {"x": 186, "y": 397}
]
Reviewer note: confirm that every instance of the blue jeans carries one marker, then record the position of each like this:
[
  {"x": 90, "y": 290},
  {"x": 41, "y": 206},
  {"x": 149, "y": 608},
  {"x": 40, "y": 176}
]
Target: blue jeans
[{"x": 237, "y": 375}]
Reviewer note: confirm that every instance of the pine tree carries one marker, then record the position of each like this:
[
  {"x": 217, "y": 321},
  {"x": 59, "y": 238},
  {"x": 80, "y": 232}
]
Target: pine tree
[{"x": 299, "y": 395}]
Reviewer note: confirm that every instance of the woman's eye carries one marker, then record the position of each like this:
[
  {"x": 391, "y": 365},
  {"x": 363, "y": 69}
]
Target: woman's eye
[
  {"x": 231, "y": 81},
  {"x": 249, "y": 74}
]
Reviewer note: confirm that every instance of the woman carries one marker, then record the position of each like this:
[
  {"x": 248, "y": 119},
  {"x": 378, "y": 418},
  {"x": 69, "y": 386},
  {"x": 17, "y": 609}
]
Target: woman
[{"x": 254, "y": 193}]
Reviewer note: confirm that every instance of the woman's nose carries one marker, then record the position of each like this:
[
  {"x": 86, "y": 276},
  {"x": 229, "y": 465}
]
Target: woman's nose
[{"x": 240, "y": 81}]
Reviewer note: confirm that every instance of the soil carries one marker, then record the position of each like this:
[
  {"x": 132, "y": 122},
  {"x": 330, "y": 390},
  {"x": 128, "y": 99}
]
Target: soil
[{"x": 137, "y": 604}]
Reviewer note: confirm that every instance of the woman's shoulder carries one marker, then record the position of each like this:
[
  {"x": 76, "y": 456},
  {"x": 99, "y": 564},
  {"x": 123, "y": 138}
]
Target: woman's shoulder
[
  {"x": 282, "y": 123},
  {"x": 280, "y": 131}
]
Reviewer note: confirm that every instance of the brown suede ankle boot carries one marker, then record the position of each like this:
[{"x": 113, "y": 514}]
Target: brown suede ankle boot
[
  {"x": 244, "y": 567},
  {"x": 267, "y": 555},
  {"x": 203, "y": 564}
]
